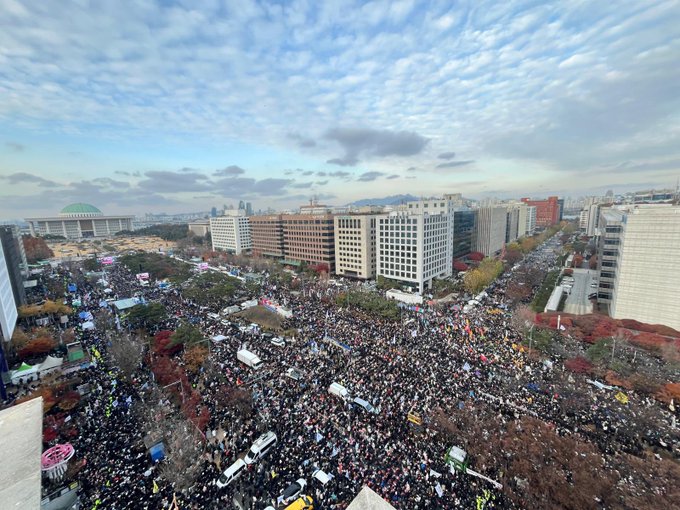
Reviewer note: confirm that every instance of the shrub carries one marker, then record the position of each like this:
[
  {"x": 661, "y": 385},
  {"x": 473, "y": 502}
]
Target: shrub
[
  {"x": 37, "y": 347},
  {"x": 579, "y": 365}
]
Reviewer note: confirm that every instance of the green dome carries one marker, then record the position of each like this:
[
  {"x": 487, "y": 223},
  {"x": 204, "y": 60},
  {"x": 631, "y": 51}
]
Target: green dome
[{"x": 80, "y": 209}]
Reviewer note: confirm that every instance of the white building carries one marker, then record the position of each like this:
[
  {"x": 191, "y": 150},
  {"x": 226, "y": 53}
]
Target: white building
[
  {"x": 639, "y": 263},
  {"x": 8, "y": 309},
  {"x": 490, "y": 227},
  {"x": 77, "y": 221},
  {"x": 231, "y": 232},
  {"x": 355, "y": 245},
  {"x": 415, "y": 247},
  {"x": 526, "y": 223}
]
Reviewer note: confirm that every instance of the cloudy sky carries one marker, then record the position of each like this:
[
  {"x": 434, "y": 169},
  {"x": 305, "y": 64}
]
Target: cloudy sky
[{"x": 142, "y": 105}]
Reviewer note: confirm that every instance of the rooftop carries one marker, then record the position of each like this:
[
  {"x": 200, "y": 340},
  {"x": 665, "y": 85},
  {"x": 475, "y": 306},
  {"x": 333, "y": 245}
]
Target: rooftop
[{"x": 79, "y": 209}]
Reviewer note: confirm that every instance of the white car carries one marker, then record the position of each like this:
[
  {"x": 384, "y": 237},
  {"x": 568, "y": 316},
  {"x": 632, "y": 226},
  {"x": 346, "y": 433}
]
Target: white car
[{"x": 278, "y": 341}]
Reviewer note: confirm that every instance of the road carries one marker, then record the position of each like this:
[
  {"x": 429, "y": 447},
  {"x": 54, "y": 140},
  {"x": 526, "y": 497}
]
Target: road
[{"x": 578, "y": 302}]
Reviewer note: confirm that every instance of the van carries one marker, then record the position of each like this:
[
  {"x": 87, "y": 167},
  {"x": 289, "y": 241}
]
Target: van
[
  {"x": 302, "y": 503},
  {"x": 260, "y": 447},
  {"x": 365, "y": 404},
  {"x": 339, "y": 390},
  {"x": 249, "y": 358},
  {"x": 231, "y": 473}
]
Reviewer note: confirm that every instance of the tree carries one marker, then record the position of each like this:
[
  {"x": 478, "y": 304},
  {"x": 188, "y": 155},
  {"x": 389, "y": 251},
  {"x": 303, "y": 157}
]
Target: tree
[
  {"x": 477, "y": 256},
  {"x": 194, "y": 357},
  {"x": 183, "y": 461},
  {"x": 36, "y": 249},
  {"x": 37, "y": 347},
  {"x": 127, "y": 352},
  {"x": 147, "y": 315},
  {"x": 460, "y": 266},
  {"x": 186, "y": 334}
]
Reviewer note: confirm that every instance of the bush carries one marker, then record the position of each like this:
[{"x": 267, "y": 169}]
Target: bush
[
  {"x": 368, "y": 302},
  {"x": 579, "y": 365},
  {"x": 37, "y": 347}
]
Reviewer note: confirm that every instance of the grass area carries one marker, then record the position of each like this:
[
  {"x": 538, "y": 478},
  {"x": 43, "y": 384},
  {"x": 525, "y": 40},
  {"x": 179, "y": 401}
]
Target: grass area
[
  {"x": 369, "y": 302},
  {"x": 543, "y": 294},
  {"x": 262, "y": 317}
]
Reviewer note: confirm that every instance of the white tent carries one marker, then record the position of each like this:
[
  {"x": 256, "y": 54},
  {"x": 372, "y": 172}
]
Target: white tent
[
  {"x": 218, "y": 338},
  {"x": 50, "y": 363},
  {"x": 25, "y": 372},
  {"x": 87, "y": 325}
]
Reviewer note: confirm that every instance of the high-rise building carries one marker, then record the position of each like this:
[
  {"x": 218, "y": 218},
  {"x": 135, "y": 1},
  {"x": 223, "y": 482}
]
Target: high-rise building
[
  {"x": 512, "y": 223},
  {"x": 77, "y": 221},
  {"x": 231, "y": 232},
  {"x": 213, "y": 212},
  {"x": 308, "y": 237},
  {"x": 15, "y": 258},
  {"x": 639, "y": 263},
  {"x": 526, "y": 221},
  {"x": 463, "y": 228},
  {"x": 415, "y": 247},
  {"x": 547, "y": 211},
  {"x": 8, "y": 307},
  {"x": 249, "y": 209},
  {"x": 355, "y": 245},
  {"x": 266, "y": 232},
  {"x": 490, "y": 226}
]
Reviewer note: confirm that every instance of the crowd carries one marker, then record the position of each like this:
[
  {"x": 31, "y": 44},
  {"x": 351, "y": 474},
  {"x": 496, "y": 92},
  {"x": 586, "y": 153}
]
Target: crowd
[{"x": 433, "y": 358}]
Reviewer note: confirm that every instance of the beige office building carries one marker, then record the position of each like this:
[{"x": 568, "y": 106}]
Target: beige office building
[
  {"x": 639, "y": 263},
  {"x": 266, "y": 232},
  {"x": 355, "y": 245},
  {"x": 489, "y": 233},
  {"x": 308, "y": 237}
]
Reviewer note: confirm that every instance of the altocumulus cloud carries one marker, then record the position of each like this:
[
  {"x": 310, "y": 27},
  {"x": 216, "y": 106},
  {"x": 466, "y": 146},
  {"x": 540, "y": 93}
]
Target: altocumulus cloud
[{"x": 370, "y": 176}]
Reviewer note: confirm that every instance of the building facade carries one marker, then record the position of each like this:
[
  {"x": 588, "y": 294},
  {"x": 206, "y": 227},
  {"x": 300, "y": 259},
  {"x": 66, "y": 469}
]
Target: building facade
[
  {"x": 463, "y": 230},
  {"x": 231, "y": 232},
  {"x": 511, "y": 224},
  {"x": 526, "y": 222},
  {"x": 639, "y": 263},
  {"x": 8, "y": 307},
  {"x": 266, "y": 232},
  {"x": 355, "y": 245},
  {"x": 15, "y": 258},
  {"x": 78, "y": 221},
  {"x": 548, "y": 211},
  {"x": 200, "y": 228},
  {"x": 489, "y": 233},
  {"x": 414, "y": 248},
  {"x": 308, "y": 237}
]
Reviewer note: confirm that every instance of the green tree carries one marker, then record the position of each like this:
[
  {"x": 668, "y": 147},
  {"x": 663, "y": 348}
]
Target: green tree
[
  {"x": 146, "y": 315},
  {"x": 187, "y": 335}
]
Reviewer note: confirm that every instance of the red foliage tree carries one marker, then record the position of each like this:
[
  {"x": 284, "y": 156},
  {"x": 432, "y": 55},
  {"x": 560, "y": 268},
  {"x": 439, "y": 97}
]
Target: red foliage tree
[
  {"x": 579, "y": 365},
  {"x": 163, "y": 344},
  {"x": 578, "y": 261},
  {"x": 477, "y": 256},
  {"x": 37, "y": 347},
  {"x": 36, "y": 249},
  {"x": 459, "y": 265},
  {"x": 320, "y": 268},
  {"x": 568, "y": 272},
  {"x": 592, "y": 262}
]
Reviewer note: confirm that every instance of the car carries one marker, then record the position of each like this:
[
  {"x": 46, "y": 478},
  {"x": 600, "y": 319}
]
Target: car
[
  {"x": 365, "y": 405},
  {"x": 294, "y": 374},
  {"x": 302, "y": 503},
  {"x": 293, "y": 491},
  {"x": 225, "y": 323},
  {"x": 260, "y": 447},
  {"x": 231, "y": 473},
  {"x": 278, "y": 341},
  {"x": 594, "y": 284}
]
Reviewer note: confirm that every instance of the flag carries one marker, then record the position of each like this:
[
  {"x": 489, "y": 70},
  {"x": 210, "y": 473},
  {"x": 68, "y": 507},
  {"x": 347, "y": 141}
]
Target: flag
[
  {"x": 155, "y": 487},
  {"x": 438, "y": 488},
  {"x": 621, "y": 397}
]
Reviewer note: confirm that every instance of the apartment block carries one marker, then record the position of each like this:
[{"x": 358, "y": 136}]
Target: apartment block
[
  {"x": 414, "y": 248},
  {"x": 266, "y": 232},
  {"x": 355, "y": 245},
  {"x": 308, "y": 237},
  {"x": 490, "y": 227},
  {"x": 548, "y": 211},
  {"x": 639, "y": 263},
  {"x": 231, "y": 232}
]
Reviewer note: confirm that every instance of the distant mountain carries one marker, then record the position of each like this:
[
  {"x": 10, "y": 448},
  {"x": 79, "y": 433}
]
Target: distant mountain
[{"x": 391, "y": 200}]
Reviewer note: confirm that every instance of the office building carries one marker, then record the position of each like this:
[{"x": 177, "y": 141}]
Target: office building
[
  {"x": 463, "y": 229},
  {"x": 308, "y": 237},
  {"x": 15, "y": 259},
  {"x": 231, "y": 232},
  {"x": 490, "y": 227},
  {"x": 200, "y": 228},
  {"x": 77, "y": 221},
  {"x": 415, "y": 247},
  {"x": 639, "y": 263},
  {"x": 512, "y": 223},
  {"x": 526, "y": 222},
  {"x": 266, "y": 232},
  {"x": 547, "y": 211},
  {"x": 8, "y": 307},
  {"x": 355, "y": 245}
]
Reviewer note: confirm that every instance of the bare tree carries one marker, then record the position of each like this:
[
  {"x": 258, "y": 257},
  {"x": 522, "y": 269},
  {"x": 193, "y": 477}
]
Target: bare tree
[
  {"x": 182, "y": 463},
  {"x": 127, "y": 352}
]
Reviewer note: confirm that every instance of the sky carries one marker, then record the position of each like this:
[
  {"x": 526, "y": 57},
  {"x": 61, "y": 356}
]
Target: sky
[{"x": 148, "y": 106}]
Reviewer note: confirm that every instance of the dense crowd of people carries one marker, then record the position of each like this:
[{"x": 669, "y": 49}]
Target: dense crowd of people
[{"x": 433, "y": 358}]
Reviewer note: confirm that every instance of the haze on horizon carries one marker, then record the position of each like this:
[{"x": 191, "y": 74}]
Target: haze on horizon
[{"x": 139, "y": 106}]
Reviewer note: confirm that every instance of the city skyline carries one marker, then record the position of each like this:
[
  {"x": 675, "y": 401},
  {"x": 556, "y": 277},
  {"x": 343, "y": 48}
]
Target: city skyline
[{"x": 160, "y": 107}]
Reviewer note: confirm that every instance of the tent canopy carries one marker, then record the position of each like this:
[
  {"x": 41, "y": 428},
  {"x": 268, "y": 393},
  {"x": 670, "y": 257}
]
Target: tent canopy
[
  {"x": 124, "y": 304},
  {"x": 218, "y": 338},
  {"x": 367, "y": 499}
]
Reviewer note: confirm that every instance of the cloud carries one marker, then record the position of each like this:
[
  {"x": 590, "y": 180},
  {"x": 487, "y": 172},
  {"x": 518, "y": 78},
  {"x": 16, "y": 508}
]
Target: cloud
[
  {"x": 26, "y": 178},
  {"x": 15, "y": 147},
  {"x": 339, "y": 173},
  {"x": 393, "y": 176},
  {"x": 322, "y": 174},
  {"x": 411, "y": 169},
  {"x": 164, "y": 181},
  {"x": 447, "y": 155},
  {"x": 111, "y": 183},
  {"x": 307, "y": 173},
  {"x": 454, "y": 164},
  {"x": 245, "y": 187},
  {"x": 373, "y": 143},
  {"x": 321, "y": 183},
  {"x": 230, "y": 170},
  {"x": 370, "y": 176},
  {"x": 303, "y": 142}
]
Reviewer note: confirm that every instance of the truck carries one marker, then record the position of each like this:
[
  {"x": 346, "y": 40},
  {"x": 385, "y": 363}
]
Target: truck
[{"x": 249, "y": 358}]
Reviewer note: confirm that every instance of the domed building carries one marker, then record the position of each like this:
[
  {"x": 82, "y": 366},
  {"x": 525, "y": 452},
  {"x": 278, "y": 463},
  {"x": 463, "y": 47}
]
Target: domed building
[{"x": 78, "y": 221}]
